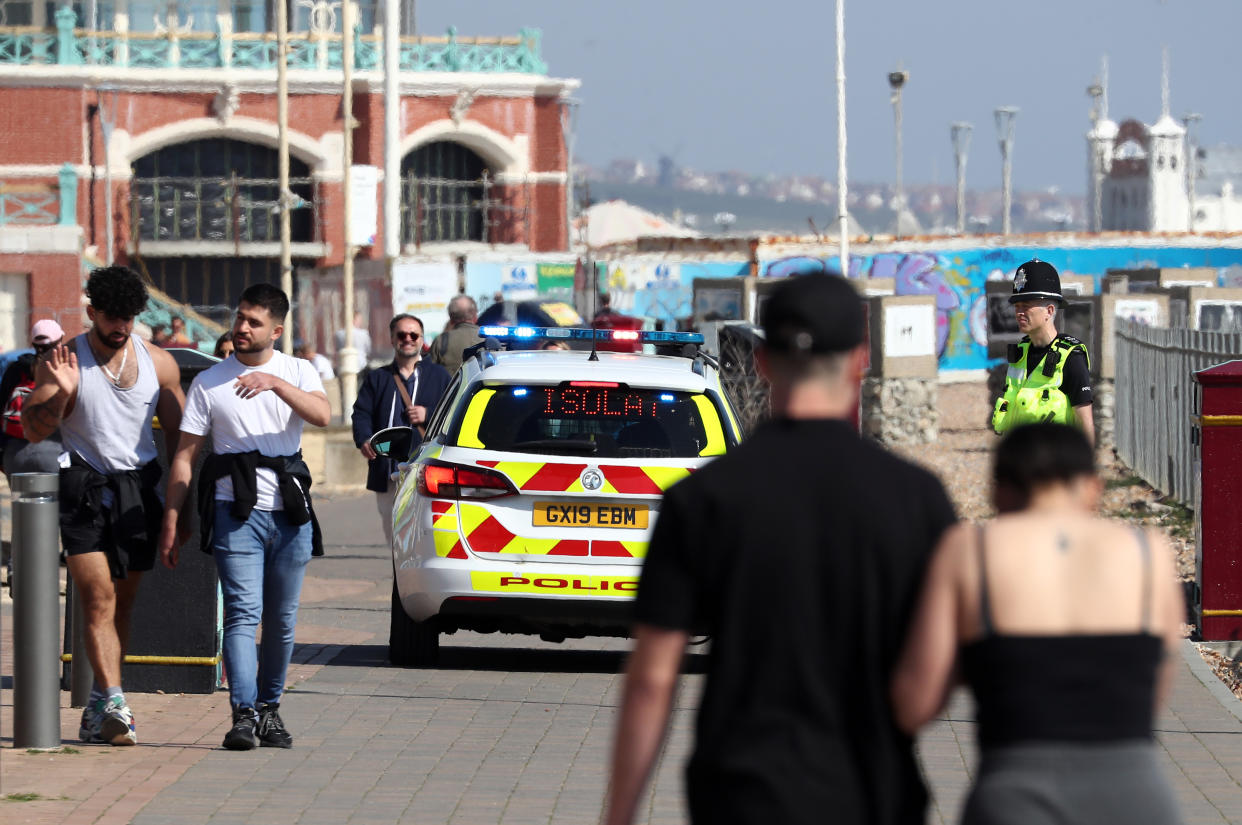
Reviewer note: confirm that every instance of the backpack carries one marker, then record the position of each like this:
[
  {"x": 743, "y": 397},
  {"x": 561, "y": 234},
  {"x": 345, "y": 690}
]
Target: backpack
[{"x": 12, "y": 415}]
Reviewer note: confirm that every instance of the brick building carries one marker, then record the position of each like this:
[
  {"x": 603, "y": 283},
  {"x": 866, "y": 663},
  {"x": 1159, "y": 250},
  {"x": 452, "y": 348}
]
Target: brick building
[{"x": 148, "y": 134}]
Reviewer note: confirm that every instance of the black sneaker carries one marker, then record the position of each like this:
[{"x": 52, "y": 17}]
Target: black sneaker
[
  {"x": 272, "y": 733},
  {"x": 241, "y": 737}
]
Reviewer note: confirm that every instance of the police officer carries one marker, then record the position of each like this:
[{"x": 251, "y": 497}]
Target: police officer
[{"x": 1049, "y": 376}]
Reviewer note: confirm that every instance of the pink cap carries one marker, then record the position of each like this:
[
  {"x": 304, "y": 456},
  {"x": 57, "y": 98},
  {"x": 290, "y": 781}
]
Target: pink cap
[{"x": 45, "y": 332}]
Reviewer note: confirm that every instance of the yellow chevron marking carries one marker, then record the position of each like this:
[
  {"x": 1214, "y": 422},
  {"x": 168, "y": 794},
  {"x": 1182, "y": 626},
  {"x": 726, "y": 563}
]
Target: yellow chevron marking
[
  {"x": 446, "y": 521},
  {"x": 537, "y": 547},
  {"x": 737, "y": 431},
  {"x": 444, "y": 541},
  {"x": 577, "y": 487},
  {"x": 471, "y": 516},
  {"x": 520, "y": 472},
  {"x": 711, "y": 423},
  {"x": 637, "y": 549},
  {"x": 666, "y": 477},
  {"x": 515, "y": 545},
  {"x": 469, "y": 435}
]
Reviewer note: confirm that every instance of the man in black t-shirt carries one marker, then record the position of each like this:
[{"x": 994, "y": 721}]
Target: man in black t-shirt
[{"x": 800, "y": 553}]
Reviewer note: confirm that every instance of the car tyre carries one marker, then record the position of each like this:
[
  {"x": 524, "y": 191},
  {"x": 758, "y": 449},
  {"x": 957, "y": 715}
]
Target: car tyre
[{"x": 411, "y": 643}]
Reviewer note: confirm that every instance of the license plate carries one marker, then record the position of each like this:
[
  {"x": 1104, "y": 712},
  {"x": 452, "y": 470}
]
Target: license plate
[{"x": 550, "y": 514}]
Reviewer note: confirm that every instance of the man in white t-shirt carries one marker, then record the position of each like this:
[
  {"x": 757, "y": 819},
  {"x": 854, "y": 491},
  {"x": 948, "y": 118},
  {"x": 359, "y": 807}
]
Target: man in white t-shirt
[{"x": 254, "y": 506}]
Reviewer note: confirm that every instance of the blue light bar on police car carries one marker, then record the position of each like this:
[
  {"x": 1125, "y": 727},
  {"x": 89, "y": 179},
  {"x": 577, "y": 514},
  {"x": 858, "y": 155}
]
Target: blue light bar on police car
[{"x": 525, "y": 333}]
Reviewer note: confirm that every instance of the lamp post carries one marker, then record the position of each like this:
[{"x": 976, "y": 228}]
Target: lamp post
[
  {"x": 897, "y": 80},
  {"x": 349, "y": 353},
  {"x": 282, "y": 143},
  {"x": 392, "y": 134},
  {"x": 1099, "y": 106},
  {"x": 1005, "y": 117},
  {"x": 1189, "y": 120},
  {"x": 960, "y": 132},
  {"x": 842, "y": 183}
]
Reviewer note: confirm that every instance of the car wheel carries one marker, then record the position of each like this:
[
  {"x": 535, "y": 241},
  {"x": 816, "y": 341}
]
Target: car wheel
[{"x": 411, "y": 643}]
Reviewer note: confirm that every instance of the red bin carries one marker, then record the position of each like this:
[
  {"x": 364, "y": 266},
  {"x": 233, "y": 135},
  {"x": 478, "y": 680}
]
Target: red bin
[{"x": 1219, "y": 551}]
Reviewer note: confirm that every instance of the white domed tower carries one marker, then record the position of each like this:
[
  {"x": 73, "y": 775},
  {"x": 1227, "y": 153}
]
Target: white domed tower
[{"x": 1168, "y": 206}]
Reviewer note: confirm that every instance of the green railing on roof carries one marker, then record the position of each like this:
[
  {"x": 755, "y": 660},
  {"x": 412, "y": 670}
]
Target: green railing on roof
[
  {"x": 69, "y": 46},
  {"x": 41, "y": 204}
]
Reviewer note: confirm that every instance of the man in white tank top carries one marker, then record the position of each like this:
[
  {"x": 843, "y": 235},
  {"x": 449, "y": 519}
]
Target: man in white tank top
[
  {"x": 102, "y": 390},
  {"x": 254, "y": 511}
]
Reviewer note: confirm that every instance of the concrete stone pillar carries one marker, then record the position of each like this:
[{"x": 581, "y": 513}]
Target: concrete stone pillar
[{"x": 899, "y": 395}]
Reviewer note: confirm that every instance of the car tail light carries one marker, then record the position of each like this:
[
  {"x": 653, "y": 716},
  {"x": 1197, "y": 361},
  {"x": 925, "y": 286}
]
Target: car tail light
[{"x": 439, "y": 479}]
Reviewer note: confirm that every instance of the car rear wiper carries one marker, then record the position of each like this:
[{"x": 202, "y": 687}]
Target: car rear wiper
[{"x": 556, "y": 445}]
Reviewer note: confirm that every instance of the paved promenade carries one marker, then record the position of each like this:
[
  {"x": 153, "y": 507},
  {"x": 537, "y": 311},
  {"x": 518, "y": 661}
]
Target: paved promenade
[{"x": 508, "y": 729}]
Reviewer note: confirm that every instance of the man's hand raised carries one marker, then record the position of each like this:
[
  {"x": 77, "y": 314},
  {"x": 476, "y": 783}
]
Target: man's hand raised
[{"x": 60, "y": 367}]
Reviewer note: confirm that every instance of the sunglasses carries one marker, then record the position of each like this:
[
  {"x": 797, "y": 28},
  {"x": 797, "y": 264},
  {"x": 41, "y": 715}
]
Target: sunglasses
[{"x": 413, "y": 336}]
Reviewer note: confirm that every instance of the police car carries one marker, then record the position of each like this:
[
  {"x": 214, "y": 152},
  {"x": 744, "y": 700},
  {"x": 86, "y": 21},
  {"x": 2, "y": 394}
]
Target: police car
[{"x": 528, "y": 505}]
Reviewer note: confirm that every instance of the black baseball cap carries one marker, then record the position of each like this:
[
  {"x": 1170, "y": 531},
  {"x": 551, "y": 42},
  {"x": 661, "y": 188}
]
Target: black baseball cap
[
  {"x": 1036, "y": 280},
  {"x": 813, "y": 315}
]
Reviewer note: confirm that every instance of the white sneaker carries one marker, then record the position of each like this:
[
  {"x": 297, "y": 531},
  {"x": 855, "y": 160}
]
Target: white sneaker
[{"x": 117, "y": 727}]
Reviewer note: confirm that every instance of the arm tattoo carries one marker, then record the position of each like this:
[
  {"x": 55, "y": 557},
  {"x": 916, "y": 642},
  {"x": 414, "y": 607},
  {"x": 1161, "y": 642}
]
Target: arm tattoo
[{"x": 43, "y": 419}]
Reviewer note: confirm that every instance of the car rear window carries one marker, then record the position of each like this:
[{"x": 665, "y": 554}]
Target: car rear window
[{"x": 601, "y": 421}]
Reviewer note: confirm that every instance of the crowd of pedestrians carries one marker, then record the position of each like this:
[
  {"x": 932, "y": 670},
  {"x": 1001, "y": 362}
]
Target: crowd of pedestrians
[{"x": 840, "y": 620}]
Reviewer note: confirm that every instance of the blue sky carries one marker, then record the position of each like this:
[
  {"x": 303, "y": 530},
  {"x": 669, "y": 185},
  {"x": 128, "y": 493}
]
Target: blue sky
[{"x": 751, "y": 85}]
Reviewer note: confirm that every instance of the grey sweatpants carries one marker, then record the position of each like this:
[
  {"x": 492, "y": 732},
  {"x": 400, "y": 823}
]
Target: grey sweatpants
[{"x": 1071, "y": 783}]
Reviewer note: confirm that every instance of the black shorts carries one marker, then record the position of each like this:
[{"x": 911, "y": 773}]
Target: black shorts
[
  {"x": 93, "y": 534},
  {"x": 87, "y": 526}
]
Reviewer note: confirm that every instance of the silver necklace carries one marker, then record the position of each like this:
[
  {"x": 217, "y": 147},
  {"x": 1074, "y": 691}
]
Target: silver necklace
[{"x": 116, "y": 379}]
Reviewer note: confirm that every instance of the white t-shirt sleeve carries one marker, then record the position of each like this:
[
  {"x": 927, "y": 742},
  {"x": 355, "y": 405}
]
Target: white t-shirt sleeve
[{"x": 196, "y": 419}]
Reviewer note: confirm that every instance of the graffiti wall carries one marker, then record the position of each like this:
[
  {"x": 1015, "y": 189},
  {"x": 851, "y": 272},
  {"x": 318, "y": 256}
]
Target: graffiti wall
[
  {"x": 957, "y": 280},
  {"x": 662, "y": 289}
]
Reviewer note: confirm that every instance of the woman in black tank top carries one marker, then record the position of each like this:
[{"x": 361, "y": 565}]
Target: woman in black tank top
[{"x": 1061, "y": 623}]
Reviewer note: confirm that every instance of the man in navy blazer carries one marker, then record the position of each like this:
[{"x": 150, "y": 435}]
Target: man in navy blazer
[{"x": 402, "y": 393}]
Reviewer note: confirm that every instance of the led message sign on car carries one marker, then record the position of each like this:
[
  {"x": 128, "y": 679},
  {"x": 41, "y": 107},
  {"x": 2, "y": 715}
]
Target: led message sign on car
[{"x": 593, "y": 402}]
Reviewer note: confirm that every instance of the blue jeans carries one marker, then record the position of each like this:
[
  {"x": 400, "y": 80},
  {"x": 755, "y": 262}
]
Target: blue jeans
[{"x": 261, "y": 562}]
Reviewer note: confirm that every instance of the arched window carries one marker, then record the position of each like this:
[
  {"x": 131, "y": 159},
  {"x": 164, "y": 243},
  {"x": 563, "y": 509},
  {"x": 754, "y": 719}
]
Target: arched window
[
  {"x": 445, "y": 191},
  {"x": 216, "y": 190}
]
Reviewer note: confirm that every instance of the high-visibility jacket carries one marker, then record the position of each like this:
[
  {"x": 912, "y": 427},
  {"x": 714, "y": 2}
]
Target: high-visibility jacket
[{"x": 1037, "y": 397}]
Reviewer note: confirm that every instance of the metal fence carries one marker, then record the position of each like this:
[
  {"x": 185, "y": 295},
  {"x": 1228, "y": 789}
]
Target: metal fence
[
  {"x": 1156, "y": 399},
  {"x": 40, "y": 203},
  {"x": 66, "y": 45}
]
